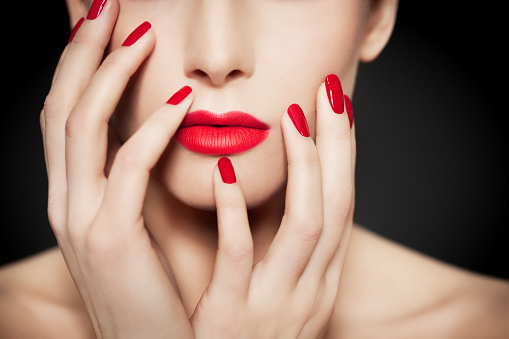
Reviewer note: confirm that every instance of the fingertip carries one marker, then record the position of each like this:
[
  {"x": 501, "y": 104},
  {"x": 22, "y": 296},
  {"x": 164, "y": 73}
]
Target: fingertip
[
  {"x": 97, "y": 25},
  {"x": 334, "y": 93},
  {"x": 137, "y": 34},
  {"x": 180, "y": 95},
  {"x": 298, "y": 119},
  {"x": 226, "y": 170},
  {"x": 227, "y": 189}
]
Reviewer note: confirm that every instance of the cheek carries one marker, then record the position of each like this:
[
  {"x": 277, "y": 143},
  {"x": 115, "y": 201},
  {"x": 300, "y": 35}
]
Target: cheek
[
  {"x": 298, "y": 51},
  {"x": 158, "y": 78}
]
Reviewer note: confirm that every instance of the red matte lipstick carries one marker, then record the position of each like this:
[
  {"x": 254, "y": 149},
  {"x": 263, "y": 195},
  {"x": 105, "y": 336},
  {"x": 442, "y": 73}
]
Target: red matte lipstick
[{"x": 227, "y": 133}]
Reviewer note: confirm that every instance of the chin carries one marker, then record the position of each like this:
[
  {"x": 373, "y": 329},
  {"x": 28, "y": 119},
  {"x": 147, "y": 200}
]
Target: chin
[{"x": 187, "y": 176}]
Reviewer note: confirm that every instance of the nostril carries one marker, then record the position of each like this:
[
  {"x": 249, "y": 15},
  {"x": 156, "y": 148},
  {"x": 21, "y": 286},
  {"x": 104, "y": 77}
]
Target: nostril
[
  {"x": 199, "y": 73},
  {"x": 216, "y": 79},
  {"x": 234, "y": 74}
]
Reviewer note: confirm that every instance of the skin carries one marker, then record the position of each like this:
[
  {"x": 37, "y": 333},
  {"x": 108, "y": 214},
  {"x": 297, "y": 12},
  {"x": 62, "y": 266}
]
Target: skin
[{"x": 283, "y": 230}]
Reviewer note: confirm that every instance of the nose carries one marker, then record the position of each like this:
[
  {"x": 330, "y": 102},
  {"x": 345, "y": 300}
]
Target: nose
[{"x": 218, "y": 49}]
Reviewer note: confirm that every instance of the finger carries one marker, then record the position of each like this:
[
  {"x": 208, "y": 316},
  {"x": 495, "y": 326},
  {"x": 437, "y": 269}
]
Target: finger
[
  {"x": 87, "y": 125},
  {"x": 84, "y": 55},
  {"x": 334, "y": 145},
  {"x": 78, "y": 63},
  {"x": 59, "y": 64},
  {"x": 128, "y": 179},
  {"x": 234, "y": 258},
  {"x": 62, "y": 56},
  {"x": 42, "y": 117},
  {"x": 335, "y": 268},
  {"x": 303, "y": 219}
]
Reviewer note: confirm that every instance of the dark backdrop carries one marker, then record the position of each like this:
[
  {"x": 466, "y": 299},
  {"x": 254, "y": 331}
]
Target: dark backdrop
[{"x": 431, "y": 133}]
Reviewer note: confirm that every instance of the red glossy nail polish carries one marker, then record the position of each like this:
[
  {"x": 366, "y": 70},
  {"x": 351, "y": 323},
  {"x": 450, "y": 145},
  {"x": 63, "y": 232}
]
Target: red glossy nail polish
[
  {"x": 298, "y": 119},
  {"x": 349, "y": 110},
  {"x": 226, "y": 170},
  {"x": 75, "y": 29},
  {"x": 137, "y": 33},
  {"x": 96, "y": 9},
  {"x": 335, "y": 93},
  {"x": 180, "y": 95}
]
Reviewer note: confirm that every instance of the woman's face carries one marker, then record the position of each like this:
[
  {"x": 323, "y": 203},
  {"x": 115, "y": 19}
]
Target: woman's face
[{"x": 254, "y": 56}]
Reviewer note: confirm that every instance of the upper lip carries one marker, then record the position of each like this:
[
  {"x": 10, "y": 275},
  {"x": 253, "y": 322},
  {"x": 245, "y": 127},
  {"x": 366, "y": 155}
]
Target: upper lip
[{"x": 228, "y": 119}]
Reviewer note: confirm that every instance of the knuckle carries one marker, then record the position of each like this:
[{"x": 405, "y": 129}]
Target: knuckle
[
  {"x": 88, "y": 38},
  {"x": 127, "y": 159},
  {"x": 116, "y": 63},
  {"x": 74, "y": 124},
  {"x": 51, "y": 104},
  {"x": 310, "y": 227},
  {"x": 55, "y": 208},
  {"x": 99, "y": 243},
  {"x": 237, "y": 251},
  {"x": 55, "y": 221}
]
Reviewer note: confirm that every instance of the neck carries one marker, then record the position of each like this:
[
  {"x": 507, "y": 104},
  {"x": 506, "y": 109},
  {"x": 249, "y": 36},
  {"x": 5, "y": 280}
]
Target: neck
[{"x": 187, "y": 237}]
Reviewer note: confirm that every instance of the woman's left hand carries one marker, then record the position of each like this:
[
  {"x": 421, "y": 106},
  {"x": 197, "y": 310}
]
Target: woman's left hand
[{"x": 292, "y": 291}]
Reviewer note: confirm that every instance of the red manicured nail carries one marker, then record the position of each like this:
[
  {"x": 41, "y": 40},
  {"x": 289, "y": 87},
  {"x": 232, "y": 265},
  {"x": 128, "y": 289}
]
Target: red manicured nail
[
  {"x": 180, "y": 95},
  {"x": 137, "y": 33},
  {"x": 96, "y": 9},
  {"x": 335, "y": 93},
  {"x": 75, "y": 29},
  {"x": 298, "y": 119},
  {"x": 349, "y": 110},
  {"x": 226, "y": 170}
]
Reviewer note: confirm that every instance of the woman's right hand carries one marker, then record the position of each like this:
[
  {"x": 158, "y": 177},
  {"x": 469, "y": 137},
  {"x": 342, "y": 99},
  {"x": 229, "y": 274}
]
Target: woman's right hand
[{"x": 97, "y": 218}]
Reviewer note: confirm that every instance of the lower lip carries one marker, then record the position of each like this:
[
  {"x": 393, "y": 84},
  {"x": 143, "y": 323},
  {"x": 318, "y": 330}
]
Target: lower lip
[{"x": 209, "y": 139}]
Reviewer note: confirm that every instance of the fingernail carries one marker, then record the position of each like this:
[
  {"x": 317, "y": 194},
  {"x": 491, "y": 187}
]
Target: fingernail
[
  {"x": 180, "y": 95},
  {"x": 96, "y": 9},
  {"x": 226, "y": 170},
  {"x": 298, "y": 119},
  {"x": 75, "y": 29},
  {"x": 335, "y": 93},
  {"x": 349, "y": 110},
  {"x": 137, "y": 33}
]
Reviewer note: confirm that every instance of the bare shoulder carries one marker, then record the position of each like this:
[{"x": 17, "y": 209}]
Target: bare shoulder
[
  {"x": 38, "y": 300},
  {"x": 390, "y": 291}
]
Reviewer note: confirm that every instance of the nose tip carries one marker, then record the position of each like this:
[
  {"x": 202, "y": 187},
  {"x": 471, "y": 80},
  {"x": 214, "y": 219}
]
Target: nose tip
[{"x": 218, "y": 50}]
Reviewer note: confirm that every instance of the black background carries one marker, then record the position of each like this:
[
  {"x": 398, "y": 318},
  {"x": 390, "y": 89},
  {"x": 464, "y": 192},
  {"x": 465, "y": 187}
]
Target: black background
[{"x": 431, "y": 132}]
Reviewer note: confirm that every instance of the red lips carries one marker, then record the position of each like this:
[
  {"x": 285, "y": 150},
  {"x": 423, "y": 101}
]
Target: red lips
[{"x": 228, "y": 133}]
